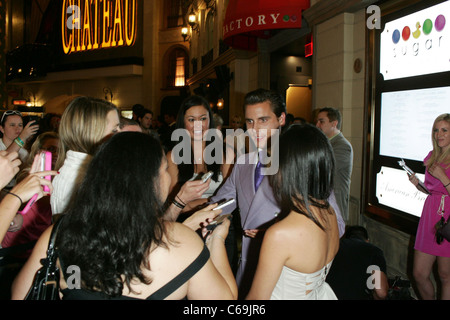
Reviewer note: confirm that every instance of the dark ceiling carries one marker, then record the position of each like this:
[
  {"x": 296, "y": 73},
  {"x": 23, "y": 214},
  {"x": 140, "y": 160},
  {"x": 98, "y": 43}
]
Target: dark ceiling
[{"x": 295, "y": 48}]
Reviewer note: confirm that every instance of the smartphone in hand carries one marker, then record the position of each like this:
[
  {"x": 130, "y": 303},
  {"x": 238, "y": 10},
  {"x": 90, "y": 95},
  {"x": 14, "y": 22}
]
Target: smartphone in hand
[
  {"x": 218, "y": 221},
  {"x": 206, "y": 176},
  {"x": 45, "y": 165},
  {"x": 224, "y": 204}
]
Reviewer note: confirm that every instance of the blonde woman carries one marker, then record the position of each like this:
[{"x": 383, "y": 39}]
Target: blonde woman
[
  {"x": 430, "y": 248},
  {"x": 85, "y": 123}
]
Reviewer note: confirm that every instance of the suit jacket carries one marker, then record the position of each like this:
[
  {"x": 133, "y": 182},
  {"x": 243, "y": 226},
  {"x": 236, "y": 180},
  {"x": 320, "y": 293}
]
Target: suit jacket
[
  {"x": 343, "y": 154},
  {"x": 258, "y": 210}
]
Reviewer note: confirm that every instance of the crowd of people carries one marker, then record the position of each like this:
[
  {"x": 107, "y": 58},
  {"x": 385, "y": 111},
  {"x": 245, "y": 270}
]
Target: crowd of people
[{"x": 136, "y": 210}]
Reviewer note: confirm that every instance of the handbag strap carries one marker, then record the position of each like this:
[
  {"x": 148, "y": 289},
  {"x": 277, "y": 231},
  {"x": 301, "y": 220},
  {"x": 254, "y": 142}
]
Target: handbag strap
[
  {"x": 51, "y": 242},
  {"x": 441, "y": 206}
]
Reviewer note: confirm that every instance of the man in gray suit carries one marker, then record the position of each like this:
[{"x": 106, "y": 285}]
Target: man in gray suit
[
  {"x": 329, "y": 120},
  {"x": 265, "y": 113}
]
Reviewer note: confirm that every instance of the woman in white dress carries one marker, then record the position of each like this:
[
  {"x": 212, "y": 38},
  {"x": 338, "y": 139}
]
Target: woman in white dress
[{"x": 297, "y": 251}]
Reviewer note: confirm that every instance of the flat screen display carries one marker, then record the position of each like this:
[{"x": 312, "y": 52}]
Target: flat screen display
[{"x": 406, "y": 121}]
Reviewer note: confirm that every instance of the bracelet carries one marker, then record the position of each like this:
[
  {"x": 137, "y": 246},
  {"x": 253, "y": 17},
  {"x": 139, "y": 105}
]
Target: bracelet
[
  {"x": 216, "y": 236},
  {"x": 19, "y": 142},
  {"x": 15, "y": 195},
  {"x": 179, "y": 205},
  {"x": 180, "y": 201}
]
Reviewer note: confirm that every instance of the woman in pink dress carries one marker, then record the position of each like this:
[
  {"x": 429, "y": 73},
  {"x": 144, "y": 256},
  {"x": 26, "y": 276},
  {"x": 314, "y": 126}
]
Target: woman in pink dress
[{"x": 428, "y": 248}]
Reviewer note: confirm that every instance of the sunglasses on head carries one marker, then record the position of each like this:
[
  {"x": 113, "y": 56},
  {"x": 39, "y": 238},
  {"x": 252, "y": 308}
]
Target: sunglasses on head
[{"x": 10, "y": 113}]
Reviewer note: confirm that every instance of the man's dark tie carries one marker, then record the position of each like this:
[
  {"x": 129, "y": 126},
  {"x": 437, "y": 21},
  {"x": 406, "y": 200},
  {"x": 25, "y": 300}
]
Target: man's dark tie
[{"x": 258, "y": 175}]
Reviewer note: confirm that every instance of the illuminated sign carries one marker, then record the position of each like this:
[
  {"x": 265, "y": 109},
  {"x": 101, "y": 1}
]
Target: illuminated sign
[
  {"x": 246, "y": 20},
  {"x": 403, "y": 110},
  {"x": 19, "y": 102},
  {"x": 98, "y": 24},
  {"x": 308, "y": 49},
  {"x": 416, "y": 44}
]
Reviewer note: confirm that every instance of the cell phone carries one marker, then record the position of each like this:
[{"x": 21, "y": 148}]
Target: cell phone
[
  {"x": 218, "y": 221},
  {"x": 421, "y": 185},
  {"x": 45, "y": 165},
  {"x": 402, "y": 164},
  {"x": 29, "y": 205},
  {"x": 226, "y": 203},
  {"x": 206, "y": 176}
]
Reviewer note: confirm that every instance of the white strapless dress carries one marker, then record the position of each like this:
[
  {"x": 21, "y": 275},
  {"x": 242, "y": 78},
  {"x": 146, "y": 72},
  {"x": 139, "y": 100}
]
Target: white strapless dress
[{"x": 294, "y": 285}]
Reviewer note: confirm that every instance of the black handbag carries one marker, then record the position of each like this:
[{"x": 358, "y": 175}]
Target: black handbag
[
  {"x": 443, "y": 230},
  {"x": 442, "y": 226},
  {"x": 46, "y": 281}
]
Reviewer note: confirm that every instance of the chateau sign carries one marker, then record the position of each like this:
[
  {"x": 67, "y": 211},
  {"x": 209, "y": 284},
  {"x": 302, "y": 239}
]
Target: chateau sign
[{"x": 98, "y": 24}]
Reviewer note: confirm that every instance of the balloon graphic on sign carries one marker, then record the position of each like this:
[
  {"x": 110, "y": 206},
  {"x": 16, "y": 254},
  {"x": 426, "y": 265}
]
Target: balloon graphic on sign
[
  {"x": 427, "y": 27},
  {"x": 406, "y": 33},
  {"x": 396, "y": 36},
  {"x": 439, "y": 24}
]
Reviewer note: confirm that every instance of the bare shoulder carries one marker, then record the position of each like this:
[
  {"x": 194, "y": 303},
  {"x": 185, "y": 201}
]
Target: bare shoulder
[
  {"x": 182, "y": 236},
  {"x": 295, "y": 229},
  {"x": 293, "y": 222},
  {"x": 183, "y": 245},
  {"x": 283, "y": 230}
]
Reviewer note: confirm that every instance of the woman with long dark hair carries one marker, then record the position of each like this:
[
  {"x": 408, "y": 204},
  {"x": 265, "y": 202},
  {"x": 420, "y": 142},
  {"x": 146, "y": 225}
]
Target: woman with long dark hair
[
  {"x": 115, "y": 233},
  {"x": 195, "y": 122},
  {"x": 297, "y": 251}
]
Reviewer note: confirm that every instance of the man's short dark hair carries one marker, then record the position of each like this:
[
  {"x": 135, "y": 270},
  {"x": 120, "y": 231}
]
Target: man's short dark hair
[
  {"x": 138, "y": 109},
  {"x": 145, "y": 111},
  {"x": 333, "y": 114},
  {"x": 275, "y": 99}
]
